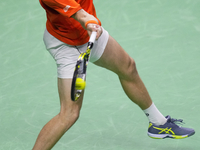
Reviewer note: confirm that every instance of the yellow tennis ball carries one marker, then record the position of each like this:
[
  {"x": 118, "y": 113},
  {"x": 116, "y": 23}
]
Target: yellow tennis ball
[{"x": 80, "y": 84}]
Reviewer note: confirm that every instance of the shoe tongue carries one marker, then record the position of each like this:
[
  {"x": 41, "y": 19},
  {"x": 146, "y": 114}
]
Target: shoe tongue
[
  {"x": 168, "y": 118},
  {"x": 177, "y": 121}
]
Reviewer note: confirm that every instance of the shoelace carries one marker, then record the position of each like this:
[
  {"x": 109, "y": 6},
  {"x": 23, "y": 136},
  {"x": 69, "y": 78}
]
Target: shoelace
[{"x": 176, "y": 121}]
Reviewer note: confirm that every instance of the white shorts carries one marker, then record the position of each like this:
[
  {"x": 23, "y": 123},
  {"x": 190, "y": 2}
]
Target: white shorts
[{"x": 66, "y": 55}]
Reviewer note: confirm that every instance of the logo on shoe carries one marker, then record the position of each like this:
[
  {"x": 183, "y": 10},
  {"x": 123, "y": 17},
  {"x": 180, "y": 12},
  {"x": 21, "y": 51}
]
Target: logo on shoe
[{"x": 165, "y": 130}]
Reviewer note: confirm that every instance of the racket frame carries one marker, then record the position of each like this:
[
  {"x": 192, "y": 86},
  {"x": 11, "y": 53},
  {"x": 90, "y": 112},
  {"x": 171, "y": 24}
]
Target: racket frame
[{"x": 81, "y": 67}]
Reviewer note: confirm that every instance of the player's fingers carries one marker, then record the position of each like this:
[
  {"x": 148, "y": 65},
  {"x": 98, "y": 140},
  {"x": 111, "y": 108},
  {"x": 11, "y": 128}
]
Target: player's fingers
[
  {"x": 94, "y": 27},
  {"x": 99, "y": 31}
]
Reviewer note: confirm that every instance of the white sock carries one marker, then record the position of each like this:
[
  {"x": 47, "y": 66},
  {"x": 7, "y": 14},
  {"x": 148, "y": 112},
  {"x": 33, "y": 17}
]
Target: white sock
[{"x": 154, "y": 115}]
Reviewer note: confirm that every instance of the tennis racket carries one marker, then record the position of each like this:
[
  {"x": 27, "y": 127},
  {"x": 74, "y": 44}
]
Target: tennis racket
[{"x": 79, "y": 77}]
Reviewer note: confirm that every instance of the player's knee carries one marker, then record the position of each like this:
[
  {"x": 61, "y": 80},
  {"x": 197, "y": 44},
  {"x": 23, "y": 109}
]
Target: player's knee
[
  {"x": 132, "y": 70},
  {"x": 69, "y": 116},
  {"x": 132, "y": 66},
  {"x": 129, "y": 70},
  {"x": 75, "y": 115}
]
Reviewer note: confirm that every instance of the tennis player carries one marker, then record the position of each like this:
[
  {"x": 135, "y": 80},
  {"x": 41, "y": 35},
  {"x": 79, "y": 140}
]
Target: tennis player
[{"x": 68, "y": 27}]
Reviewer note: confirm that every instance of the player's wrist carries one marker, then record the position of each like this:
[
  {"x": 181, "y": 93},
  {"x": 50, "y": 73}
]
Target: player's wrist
[{"x": 91, "y": 21}]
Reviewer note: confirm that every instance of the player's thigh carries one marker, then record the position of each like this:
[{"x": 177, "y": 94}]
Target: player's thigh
[
  {"x": 116, "y": 59},
  {"x": 67, "y": 105}
]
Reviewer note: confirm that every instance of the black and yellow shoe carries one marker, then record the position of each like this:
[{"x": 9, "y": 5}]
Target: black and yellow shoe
[{"x": 169, "y": 130}]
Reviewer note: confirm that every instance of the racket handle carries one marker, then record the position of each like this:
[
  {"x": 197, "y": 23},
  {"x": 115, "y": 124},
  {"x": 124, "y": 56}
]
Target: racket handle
[{"x": 93, "y": 37}]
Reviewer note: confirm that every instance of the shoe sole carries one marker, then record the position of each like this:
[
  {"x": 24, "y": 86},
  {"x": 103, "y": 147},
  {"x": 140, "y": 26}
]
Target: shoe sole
[{"x": 163, "y": 136}]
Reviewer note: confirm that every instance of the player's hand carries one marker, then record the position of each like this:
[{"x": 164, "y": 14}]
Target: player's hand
[{"x": 94, "y": 27}]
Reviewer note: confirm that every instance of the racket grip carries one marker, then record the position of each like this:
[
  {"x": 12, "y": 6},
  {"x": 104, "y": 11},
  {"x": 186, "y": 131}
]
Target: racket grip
[{"x": 93, "y": 37}]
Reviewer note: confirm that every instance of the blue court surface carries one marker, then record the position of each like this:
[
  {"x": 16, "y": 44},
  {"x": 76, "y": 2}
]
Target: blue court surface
[{"x": 163, "y": 36}]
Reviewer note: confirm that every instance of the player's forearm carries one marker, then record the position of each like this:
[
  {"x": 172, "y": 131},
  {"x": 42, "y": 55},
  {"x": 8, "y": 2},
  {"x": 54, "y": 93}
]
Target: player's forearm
[{"x": 82, "y": 17}]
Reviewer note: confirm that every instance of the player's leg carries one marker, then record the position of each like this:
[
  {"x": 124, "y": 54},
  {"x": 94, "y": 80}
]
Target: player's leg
[
  {"x": 109, "y": 54},
  {"x": 117, "y": 60},
  {"x": 65, "y": 57},
  {"x": 57, "y": 126}
]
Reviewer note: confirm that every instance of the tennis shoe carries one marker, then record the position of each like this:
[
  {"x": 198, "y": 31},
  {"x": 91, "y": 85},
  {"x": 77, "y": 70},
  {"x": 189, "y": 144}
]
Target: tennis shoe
[{"x": 170, "y": 129}]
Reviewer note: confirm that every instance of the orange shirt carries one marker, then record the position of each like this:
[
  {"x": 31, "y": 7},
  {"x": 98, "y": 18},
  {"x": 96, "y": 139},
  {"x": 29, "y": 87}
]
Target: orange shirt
[{"x": 61, "y": 25}]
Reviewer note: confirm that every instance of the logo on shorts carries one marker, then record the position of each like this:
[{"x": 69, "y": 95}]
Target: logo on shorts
[{"x": 66, "y": 8}]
